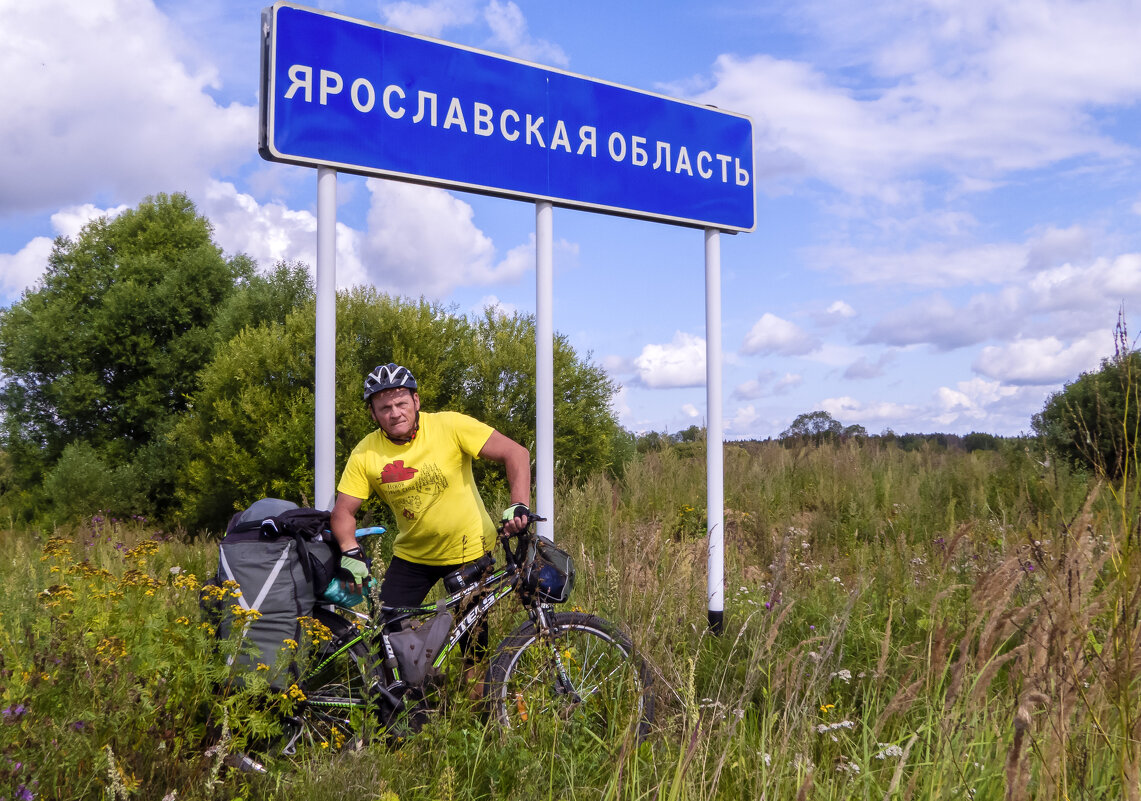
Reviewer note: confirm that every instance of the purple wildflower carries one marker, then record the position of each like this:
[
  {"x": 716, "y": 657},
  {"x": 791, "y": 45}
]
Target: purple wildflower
[{"x": 14, "y": 713}]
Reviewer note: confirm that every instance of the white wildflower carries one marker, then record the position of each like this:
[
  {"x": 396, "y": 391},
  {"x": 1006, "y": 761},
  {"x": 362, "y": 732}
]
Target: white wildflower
[
  {"x": 824, "y": 728},
  {"x": 889, "y": 750},
  {"x": 844, "y": 675}
]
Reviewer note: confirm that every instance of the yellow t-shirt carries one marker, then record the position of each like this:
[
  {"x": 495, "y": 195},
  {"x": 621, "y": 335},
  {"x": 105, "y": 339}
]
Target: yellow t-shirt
[{"x": 428, "y": 485}]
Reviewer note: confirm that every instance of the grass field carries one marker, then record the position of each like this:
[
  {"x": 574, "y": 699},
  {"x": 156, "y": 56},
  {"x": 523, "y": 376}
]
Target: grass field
[{"x": 913, "y": 625}]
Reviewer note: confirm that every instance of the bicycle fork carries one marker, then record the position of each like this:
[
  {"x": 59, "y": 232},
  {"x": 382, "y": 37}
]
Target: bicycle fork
[{"x": 549, "y": 632}]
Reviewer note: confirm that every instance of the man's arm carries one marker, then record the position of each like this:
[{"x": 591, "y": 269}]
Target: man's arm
[
  {"x": 343, "y": 520},
  {"x": 517, "y": 460}
]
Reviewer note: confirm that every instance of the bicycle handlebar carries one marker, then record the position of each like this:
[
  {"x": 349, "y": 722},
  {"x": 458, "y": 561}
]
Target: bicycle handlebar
[{"x": 520, "y": 551}]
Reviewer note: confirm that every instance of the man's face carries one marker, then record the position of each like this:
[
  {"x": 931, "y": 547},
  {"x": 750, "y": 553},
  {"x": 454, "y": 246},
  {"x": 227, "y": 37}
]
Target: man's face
[{"x": 394, "y": 410}]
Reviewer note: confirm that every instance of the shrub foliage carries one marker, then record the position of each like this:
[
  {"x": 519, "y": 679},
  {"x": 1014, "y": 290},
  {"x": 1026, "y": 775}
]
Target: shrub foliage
[{"x": 1093, "y": 421}]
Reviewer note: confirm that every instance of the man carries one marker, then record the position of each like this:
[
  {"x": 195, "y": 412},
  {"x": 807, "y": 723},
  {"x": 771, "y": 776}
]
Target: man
[{"x": 420, "y": 465}]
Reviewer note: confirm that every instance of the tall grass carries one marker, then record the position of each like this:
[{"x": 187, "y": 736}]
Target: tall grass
[{"x": 898, "y": 625}]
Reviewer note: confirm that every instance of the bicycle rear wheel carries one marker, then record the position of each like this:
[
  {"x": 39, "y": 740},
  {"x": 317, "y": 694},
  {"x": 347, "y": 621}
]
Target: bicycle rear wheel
[
  {"x": 334, "y": 713},
  {"x": 586, "y": 675}
]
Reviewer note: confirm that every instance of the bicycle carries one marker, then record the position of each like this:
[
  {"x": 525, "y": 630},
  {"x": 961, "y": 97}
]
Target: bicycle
[{"x": 571, "y": 667}]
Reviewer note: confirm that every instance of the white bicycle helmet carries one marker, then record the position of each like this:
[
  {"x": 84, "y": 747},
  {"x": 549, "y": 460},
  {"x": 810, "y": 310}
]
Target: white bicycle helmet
[{"x": 388, "y": 376}]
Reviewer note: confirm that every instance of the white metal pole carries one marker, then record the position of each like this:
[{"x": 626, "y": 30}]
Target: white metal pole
[
  {"x": 714, "y": 461},
  {"x": 325, "y": 372},
  {"x": 544, "y": 368}
]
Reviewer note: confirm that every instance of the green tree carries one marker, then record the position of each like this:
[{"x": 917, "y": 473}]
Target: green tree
[
  {"x": 106, "y": 349},
  {"x": 249, "y": 432},
  {"x": 1093, "y": 421},
  {"x": 979, "y": 441},
  {"x": 816, "y": 427}
]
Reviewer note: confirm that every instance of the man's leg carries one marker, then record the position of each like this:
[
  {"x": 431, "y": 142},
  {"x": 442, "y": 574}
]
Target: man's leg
[{"x": 407, "y": 583}]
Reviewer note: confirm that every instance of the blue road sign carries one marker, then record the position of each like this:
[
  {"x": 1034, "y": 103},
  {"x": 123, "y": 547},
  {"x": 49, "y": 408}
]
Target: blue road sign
[{"x": 342, "y": 93}]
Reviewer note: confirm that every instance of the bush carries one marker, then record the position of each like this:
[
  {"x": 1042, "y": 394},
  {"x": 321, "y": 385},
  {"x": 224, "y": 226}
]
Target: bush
[
  {"x": 249, "y": 432},
  {"x": 1093, "y": 421},
  {"x": 81, "y": 484}
]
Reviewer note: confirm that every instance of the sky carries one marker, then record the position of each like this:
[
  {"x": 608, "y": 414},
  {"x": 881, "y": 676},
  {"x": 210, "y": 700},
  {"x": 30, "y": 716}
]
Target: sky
[{"x": 948, "y": 192}]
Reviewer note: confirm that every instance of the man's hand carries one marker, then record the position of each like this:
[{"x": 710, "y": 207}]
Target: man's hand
[
  {"x": 515, "y": 518},
  {"x": 353, "y": 570}
]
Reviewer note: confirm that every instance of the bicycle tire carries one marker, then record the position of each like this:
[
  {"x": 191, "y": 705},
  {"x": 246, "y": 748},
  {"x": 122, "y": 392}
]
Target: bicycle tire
[
  {"x": 336, "y": 691},
  {"x": 610, "y": 689}
]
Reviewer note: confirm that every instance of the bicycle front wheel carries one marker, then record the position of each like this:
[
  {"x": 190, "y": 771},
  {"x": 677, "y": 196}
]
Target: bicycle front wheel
[{"x": 585, "y": 674}]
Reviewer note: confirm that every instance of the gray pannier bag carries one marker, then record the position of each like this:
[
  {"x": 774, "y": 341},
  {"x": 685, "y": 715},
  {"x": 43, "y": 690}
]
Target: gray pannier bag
[
  {"x": 274, "y": 570},
  {"x": 417, "y": 642}
]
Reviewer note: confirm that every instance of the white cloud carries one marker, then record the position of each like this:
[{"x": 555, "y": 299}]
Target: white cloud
[
  {"x": 504, "y": 18},
  {"x": 787, "y": 383},
  {"x": 848, "y": 410},
  {"x": 681, "y": 363},
  {"x": 936, "y": 321},
  {"x": 764, "y": 385},
  {"x": 772, "y": 334},
  {"x": 431, "y": 18},
  {"x": 864, "y": 367},
  {"x": 1064, "y": 301},
  {"x": 272, "y": 232},
  {"x": 931, "y": 265},
  {"x": 743, "y": 421},
  {"x": 1039, "y": 362},
  {"x": 423, "y": 241},
  {"x": 1093, "y": 288},
  {"x": 96, "y": 103},
  {"x": 69, "y": 221},
  {"x": 993, "y": 405},
  {"x": 19, "y": 271},
  {"x": 753, "y": 388},
  {"x": 509, "y": 34},
  {"x": 841, "y": 309},
  {"x": 690, "y": 411},
  {"x": 977, "y": 94},
  {"x": 419, "y": 240}
]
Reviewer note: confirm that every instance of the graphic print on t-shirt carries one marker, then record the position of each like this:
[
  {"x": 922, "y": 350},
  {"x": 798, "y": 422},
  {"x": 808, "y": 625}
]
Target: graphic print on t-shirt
[
  {"x": 396, "y": 471},
  {"x": 410, "y": 497}
]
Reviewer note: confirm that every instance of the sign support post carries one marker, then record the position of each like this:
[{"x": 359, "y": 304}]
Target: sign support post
[
  {"x": 714, "y": 450},
  {"x": 544, "y": 368},
  {"x": 325, "y": 372}
]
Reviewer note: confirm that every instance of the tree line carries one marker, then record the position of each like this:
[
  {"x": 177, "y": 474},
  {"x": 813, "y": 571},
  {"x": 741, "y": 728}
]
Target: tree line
[{"x": 147, "y": 373}]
